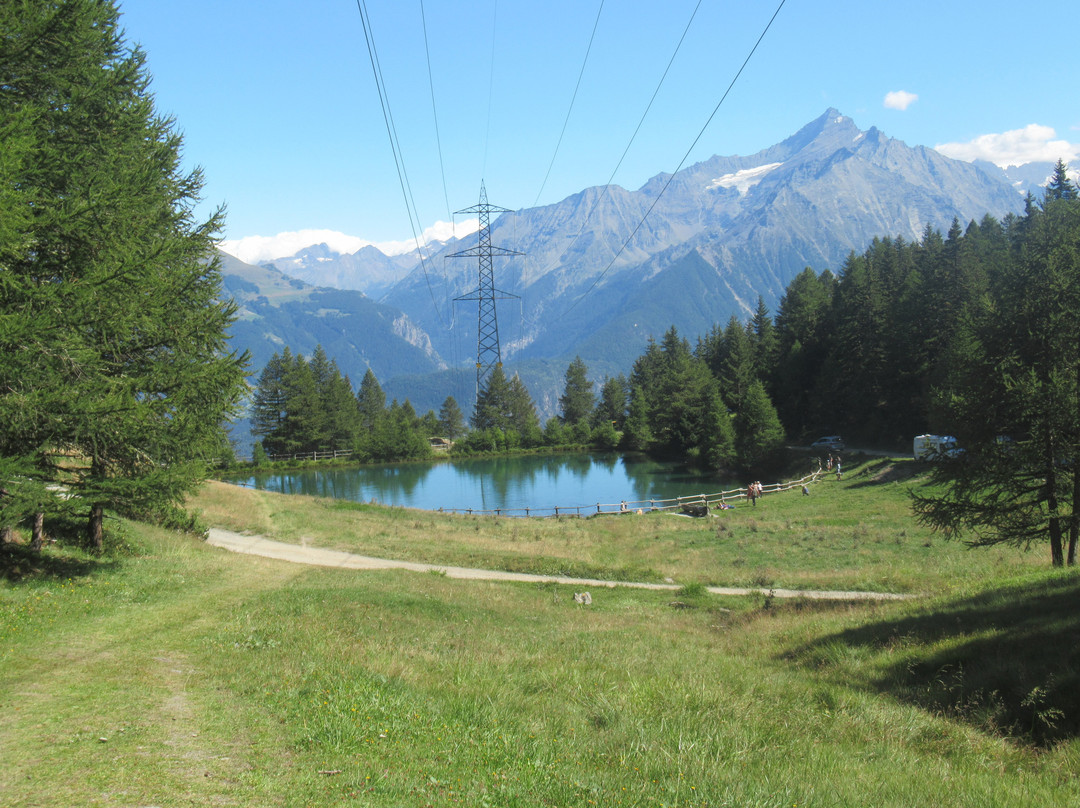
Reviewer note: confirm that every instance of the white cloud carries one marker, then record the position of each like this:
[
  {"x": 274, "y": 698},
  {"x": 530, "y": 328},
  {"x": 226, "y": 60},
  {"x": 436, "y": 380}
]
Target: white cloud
[
  {"x": 440, "y": 231},
  {"x": 1033, "y": 143},
  {"x": 253, "y": 249},
  {"x": 900, "y": 99}
]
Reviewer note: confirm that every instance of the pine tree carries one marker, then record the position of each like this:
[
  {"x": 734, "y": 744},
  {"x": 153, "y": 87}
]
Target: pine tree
[
  {"x": 1060, "y": 187},
  {"x": 637, "y": 434},
  {"x": 523, "y": 418},
  {"x": 268, "y": 406},
  {"x": 371, "y": 401},
  {"x": 764, "y": 343},
  {"x": 612, "y": 406},
  {"x": 492, "y": 410},
  {"x": 577, "y": 401},
  {"x": 451, "y": 419},
  {"x": 759, "y": 437},
  {"x": 114, "y": 340}
]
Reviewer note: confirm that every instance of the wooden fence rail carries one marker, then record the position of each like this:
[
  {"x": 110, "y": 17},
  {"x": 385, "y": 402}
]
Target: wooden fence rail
[
  {"x": 324, "y": 454},
  {"x": 710, "y": 501}
]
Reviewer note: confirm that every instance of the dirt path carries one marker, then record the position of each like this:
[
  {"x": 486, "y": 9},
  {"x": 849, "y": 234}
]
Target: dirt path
[{"x": 298, "y": 554}]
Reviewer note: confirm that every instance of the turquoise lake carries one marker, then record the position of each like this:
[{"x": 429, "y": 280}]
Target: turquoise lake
[{"x": 573, "y": 483}]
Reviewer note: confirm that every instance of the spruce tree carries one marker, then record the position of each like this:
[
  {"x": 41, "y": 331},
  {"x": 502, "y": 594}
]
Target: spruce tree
[
  {"x": 577, "y": 401},
  {"x": 341, "y": 410},
  {"x": 764, "y": 342},
  {"x": 302, "y": 430},
  {"x": 522, "y": 411},
  {"x": 1060, "y": 187},
  {"x": 371, "y": 401},
  {"x": 492, "y": 410},
  {"x": 802, "y": 328},
  {"x": 637, "y": 434},
  {"x": 451, "y": 419},
  {"x": 612, "y": 406},
  {"x": 737, "y": 369},
  {"x": 268, "y": 405},
  {"x": 759, "y": 437}
]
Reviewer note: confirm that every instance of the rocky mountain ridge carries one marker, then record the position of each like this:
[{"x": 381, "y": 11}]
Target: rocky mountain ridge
[{"x": 604, "y": 270}]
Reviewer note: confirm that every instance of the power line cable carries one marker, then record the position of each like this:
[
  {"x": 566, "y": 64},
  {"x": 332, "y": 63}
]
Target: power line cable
[
  {"x": 491, "y": 88},
  {"x": 681, "y": 162},
  {"x": 641, "y": 121},
  {"x": 395, "y": 148},
  {"x": 573, "y": 98},
  {"x": 434, "y": 113}
]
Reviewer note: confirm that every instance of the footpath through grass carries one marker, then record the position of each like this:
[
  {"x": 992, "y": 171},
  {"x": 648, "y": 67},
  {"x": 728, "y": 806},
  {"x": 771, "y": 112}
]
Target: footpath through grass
[{"x": 168, "y": 673}]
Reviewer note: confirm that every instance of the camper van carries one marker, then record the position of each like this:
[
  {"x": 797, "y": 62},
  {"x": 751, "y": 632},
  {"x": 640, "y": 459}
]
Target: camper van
[{"x": 935, "y": 447}]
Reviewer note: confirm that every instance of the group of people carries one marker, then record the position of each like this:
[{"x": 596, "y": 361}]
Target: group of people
[
  {"x": 833, "y": 463},
  {"x": 754, "y": 490}
]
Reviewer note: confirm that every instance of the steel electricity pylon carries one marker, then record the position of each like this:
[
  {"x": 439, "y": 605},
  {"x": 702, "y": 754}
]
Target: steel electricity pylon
[{"x": 488, "y": 355}]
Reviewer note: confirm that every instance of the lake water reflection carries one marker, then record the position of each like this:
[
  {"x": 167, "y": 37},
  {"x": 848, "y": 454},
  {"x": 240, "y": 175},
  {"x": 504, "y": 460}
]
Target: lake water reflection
[{"x": 539, "y": 483}]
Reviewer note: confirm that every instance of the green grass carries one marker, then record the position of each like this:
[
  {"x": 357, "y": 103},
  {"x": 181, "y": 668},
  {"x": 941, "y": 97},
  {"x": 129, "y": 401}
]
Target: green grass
[
  {"x": 169, "y": 673},
  {"x": 857, "y": 534}
]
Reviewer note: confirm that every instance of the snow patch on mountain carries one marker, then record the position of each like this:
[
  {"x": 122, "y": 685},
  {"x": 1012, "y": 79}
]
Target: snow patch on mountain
[{"x": 743, "y": 180}]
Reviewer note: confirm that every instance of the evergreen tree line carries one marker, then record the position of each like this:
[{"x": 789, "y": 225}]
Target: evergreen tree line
[
  {"x": 1008, "y": 384},
  {"x": 874, "y": 351},
  {"x": 303, "y": 406}
]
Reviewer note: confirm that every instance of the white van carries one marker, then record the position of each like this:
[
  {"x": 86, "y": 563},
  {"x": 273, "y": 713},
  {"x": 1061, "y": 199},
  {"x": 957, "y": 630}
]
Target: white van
[{"x": 934, "y": 447}]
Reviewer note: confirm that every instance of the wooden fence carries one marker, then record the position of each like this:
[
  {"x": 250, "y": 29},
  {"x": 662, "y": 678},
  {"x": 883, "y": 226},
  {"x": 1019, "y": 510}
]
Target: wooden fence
[
  {"x": 325, "y": 454},
  {"x": 709, "y": 501}
]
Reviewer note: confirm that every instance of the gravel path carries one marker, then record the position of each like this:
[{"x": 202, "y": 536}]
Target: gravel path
[{"x": 316, "y": 556}]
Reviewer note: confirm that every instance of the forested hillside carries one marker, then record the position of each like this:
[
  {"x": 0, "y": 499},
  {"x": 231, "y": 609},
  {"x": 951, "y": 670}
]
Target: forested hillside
[{"x": 879, "y": 350}]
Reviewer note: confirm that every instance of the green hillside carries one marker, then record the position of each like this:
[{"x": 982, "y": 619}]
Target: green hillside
[{"x": 169, "y": 673}]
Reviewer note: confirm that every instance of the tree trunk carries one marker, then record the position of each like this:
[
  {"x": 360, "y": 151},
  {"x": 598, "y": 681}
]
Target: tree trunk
[
  {"x": 1074, "y": 518},
  {"x": 38, "y": 536},
  {"x": 1057, "y": 557},
  {"x": 93, "y": 528}
]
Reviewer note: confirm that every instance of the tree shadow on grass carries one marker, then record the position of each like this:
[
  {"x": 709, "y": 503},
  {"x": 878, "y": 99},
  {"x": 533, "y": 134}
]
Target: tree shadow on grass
[
  {"x": 19, "y": 564},
  {"x": 1006, "y": 660},
  {"x": 64, "y": 555},
  {"x": 886, "y": 470}
]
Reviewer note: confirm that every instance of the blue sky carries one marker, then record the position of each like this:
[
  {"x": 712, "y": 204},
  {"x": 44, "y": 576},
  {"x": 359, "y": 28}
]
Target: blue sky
[{"x": 278, "y": 104}]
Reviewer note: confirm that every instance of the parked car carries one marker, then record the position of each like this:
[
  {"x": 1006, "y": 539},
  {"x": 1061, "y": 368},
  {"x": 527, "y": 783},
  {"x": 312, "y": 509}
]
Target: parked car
[{"x": 831, "y": 442}]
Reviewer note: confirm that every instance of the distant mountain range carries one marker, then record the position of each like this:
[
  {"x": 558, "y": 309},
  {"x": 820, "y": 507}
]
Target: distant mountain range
[
  {"x": 604, "y": 270},
  {"x": 356, "y": 331}
]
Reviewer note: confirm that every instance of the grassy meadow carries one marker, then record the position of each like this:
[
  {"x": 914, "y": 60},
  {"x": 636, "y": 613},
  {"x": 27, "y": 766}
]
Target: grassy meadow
[{"x": 169, "y": 673}]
